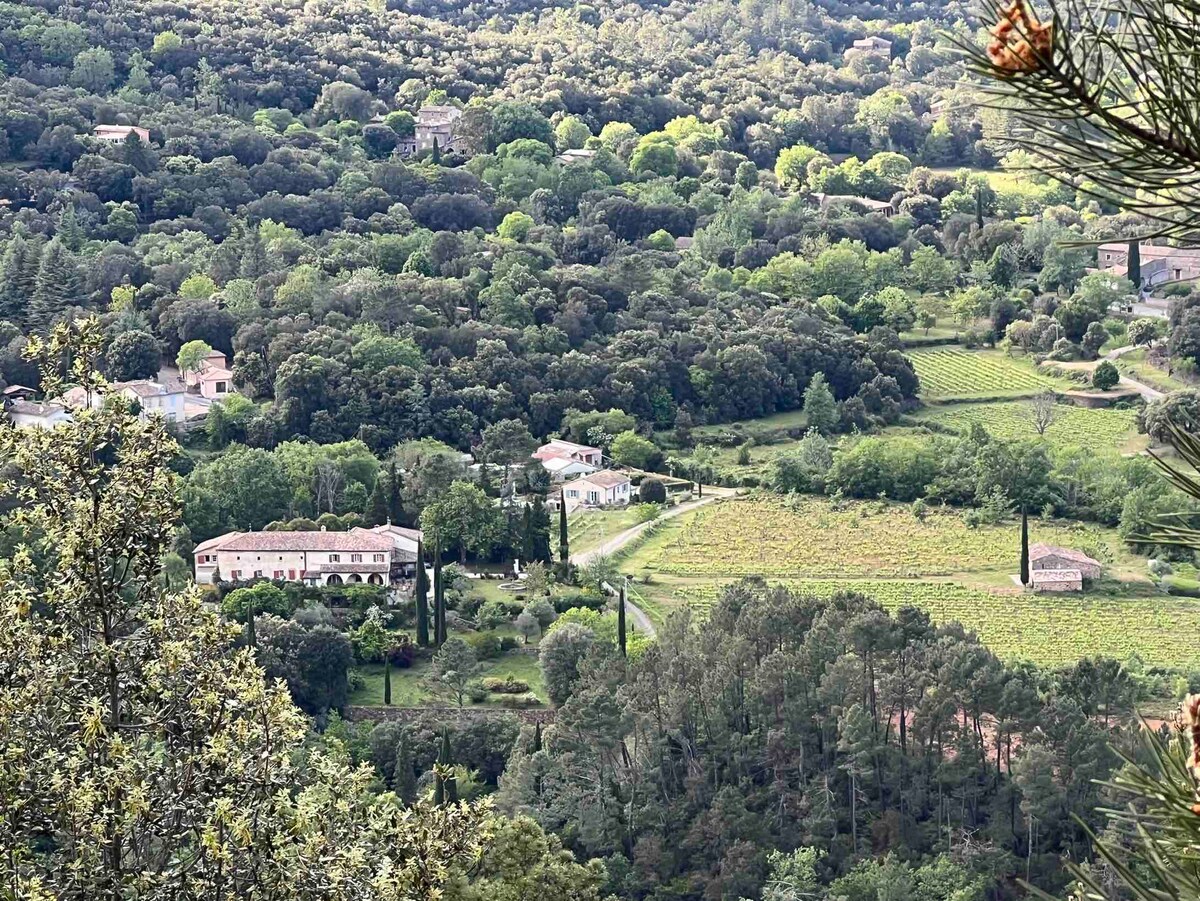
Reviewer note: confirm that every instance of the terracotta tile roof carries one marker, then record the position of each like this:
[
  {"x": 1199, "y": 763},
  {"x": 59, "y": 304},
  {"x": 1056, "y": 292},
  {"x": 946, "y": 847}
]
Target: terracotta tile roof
[
  {"x": 355, "y": 540},
  {"x": 1040, "y": 550},
  {"x": 606, "y": 478}
]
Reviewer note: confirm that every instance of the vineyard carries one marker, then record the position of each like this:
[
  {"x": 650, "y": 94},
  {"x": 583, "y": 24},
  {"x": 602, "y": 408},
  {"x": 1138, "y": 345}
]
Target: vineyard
[
  {"x": 1093, "y": 428},
  {"x": 1044, "y": 629},
  {"x": 949, "y": 373},
  {"x": 805, "y": 537}
]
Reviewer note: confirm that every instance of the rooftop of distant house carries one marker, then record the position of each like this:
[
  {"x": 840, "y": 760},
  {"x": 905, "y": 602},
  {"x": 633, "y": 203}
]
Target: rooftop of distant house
[
  {"x": 1153, "y": 251},
  {"x": 575, "y": 154},
  {"x": 605, "y": 478},
  {"x": 34, "y": 408},
  {"x": 121, "y": 131},
  {"x": 437, "y": 114},
  {"x": 557, "y": 447},
  {"x": 1040, "y": 550},
  {"x": 356, "y": 539}
]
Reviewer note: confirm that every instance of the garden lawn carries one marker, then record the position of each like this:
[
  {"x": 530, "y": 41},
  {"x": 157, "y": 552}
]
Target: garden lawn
[
  {"x": 950, "y": 373},
  {"x": 587, "y": 529},
  {"x": 1136, "y": 364},
  {"x": 407, "y": 690},
  {"x": 1100, "y": 429}
]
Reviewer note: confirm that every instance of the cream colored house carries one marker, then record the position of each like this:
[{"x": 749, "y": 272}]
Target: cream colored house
[
  {"x": 116, "y": 134},
  {"x": 28, "y": 414},
  {"x": 321, "y": 558},
  {"x": 212, "y": 379},
  {"x": 601, "y": 489}
]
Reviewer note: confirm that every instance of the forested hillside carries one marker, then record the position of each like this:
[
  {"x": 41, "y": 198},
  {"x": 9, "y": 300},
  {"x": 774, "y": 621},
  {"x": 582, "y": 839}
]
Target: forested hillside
[{"x": 783, "y": 286}]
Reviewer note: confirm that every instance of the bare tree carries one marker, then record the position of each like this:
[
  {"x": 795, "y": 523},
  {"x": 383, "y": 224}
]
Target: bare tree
[
  {"x": 1042, "y": 411},
  {"x": 328, "y": 483}
]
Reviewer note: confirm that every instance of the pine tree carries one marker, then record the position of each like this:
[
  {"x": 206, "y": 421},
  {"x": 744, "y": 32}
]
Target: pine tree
[
  {"x": 387, "y": 681},
  {"x": 621, "y": 619},
  {"x": 57, "y": 286},
  {"x": 68, "y": 230},
  {"x": 18, "y": 277},
  {"x": 421, "y": 594},
  {"x": 1024, "y": 547}
]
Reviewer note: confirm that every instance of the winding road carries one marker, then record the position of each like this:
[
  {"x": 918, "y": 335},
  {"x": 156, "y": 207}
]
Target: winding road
[{"x": 610, "y": 546}]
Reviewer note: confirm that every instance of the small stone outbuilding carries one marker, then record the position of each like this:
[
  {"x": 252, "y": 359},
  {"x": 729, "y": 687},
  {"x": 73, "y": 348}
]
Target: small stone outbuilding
[
  {"x": 1046, "y": 580},
  {"x": 1048, "y": 556}
]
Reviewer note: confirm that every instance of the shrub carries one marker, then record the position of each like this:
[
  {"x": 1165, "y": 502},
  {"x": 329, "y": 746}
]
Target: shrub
[
  {"x": 646, "y": 512},
  {"x": 493, "y": 614},
  {"x": 592, "y": 600},
  {"x": 486, "y": 645},
  {"x": 652, "y": 491},
  {"x": 400, "y": 654},
  {"x": 476, "y": 693},
  {"x": 520, "y": 701},
  {"x": 1105, "y": 377},
  {"x": 264, "y": 598},
  {"x": 506, "y": 686}
]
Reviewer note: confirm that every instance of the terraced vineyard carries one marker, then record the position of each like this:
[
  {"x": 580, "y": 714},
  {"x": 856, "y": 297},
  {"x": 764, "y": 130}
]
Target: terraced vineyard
[
  {"x": 807, "y": 537},
  {"x": 1093, "y": 428},
  {"x": 1045, "y": 629},
  {"x": 949, "y": 373}
]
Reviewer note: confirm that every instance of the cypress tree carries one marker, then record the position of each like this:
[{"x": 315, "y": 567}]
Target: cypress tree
[
  {"x": 621, "y": 619},
  {"x": 564, "y": 546},
  {"x": 537, "y": 736},
  {"x": 1133, "y": 265},
  {"x": 421, "y": 593},
  {"x": 979, "y": 205},
  {"x": 436, "y": 156},
  {"x": 395, "y": 499},
  {"x": 439, "y": 600},
  {"x": 536, "y": 538},
  {"x": 251, "y": 635},
  {"x": 444, "y": 788},
  {"x": 1024, "y": 547},
  {"x": 376, "y": 513},
  {"x": 387, "y": 681},
  {"x": 404, "y": 780}
]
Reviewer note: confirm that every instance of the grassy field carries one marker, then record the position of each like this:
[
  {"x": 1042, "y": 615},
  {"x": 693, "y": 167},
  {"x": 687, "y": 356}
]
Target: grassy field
[
  {"x": 407, "y": 690},
  {"x": 588, "y": 529},
  {"x": 953, "y": 572},
  {"x": 1136, "y": 364},
  {"x": 1094, "y": 428},
  {"x": 949, "y": 373}
]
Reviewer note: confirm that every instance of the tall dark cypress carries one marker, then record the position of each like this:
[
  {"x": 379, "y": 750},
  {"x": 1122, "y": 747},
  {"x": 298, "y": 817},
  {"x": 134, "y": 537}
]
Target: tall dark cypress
[
  {"x": 537, "y": 736},
  {"x": 979, "y": 205},
  {"x": 387, "y": 681},
  {"x": 421, "y": 596},
  {"x": 564, "y": 545},
  {"x": 439, "y": 600},
  {"x": 445, "y": 789},
  {"x": 621, "y": 618},
  {"x": 1133, "y": 264},
  {"x": 251, "y": 635},
  {"x": 1024, "y": 547},
  {"x": 395, "y": 499}
]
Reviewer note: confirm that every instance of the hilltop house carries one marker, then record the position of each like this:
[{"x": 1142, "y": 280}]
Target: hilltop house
[
  {"x": 873, "y": 46},
  {"x": 213, "y": 379},
  {"x": 433, "y": 122},
  {"x": 826, "y": 202},
  {"x": 165, "y": 399},
  {"x": 28, "y": 414},
  {"x": 563, "y": 468},
  {"x": 320, "y": 558},
  {"x": 577, "y": 155},
  {"x": 1159, "y": 264},
  {"x": 606, "y": 488},
  {"x": 116, "y": 134},
  {"x": 558, "y": 449}
]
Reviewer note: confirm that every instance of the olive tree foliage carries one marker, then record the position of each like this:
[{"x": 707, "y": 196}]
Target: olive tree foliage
[{"x": 142, "y": 753}]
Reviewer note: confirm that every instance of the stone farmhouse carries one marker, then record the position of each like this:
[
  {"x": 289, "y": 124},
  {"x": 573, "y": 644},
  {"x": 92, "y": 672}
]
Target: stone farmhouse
[
  {"x": 1160, "y": 264},
  {"x": 1054, "y": 568},
  {"x": 385, "y": 555},
  {"x": 874, "y": 46},
  {"x": 435, "y": 122},
  {"x": 116, "y": 134}
]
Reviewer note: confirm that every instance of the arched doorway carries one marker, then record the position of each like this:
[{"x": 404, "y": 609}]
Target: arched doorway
[
  {"x": 354, "y": 578},
  {"x": 334, "y": 579},
  {"x": 375, "y": 579}
]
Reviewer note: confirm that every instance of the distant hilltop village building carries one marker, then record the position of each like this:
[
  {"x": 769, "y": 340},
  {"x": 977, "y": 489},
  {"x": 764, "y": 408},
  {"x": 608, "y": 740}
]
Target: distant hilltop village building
[
  {"x": 873, "y": 46},
  {"x": 1159, "y": 264},
  {"x": 116, "y": 134},
  {"x": 434, "y": 123}
]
